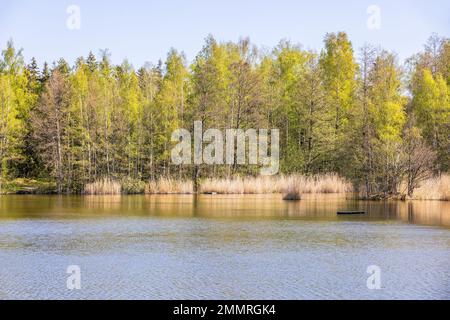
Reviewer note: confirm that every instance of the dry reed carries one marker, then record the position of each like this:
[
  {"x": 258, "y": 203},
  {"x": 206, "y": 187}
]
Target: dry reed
[
  {"x": 292, "y": 189},
  {"x": 329, "y": 183},
  {"x": 103, "y": 186},
  {"x": 169, "y": 186},
  {"x": 292, "y": 186},
  {"x": 437, "y": 188}
]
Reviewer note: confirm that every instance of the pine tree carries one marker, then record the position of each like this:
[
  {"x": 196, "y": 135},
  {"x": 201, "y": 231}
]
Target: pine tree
[
  {"x": 91, "y": 62},
  {"x": 45, "y": 75}
]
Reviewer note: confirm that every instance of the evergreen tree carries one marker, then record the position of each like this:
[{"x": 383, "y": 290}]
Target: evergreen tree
[
  {"x": 91, "y": 62},
  {"x": 45, "y": 75}
]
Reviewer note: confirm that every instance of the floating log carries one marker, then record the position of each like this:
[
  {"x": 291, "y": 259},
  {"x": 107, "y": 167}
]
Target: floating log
[
  {"x": 26, "y": 190},
  {"x": 351, "y": 212}
]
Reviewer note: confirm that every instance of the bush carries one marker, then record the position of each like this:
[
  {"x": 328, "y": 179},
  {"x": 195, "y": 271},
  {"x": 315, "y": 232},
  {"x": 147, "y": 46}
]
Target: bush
[{"x": 132, "y": 186}]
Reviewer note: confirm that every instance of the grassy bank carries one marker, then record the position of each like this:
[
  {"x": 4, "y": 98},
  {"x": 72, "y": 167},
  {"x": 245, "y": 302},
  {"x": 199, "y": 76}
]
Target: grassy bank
[
  {"x": 27, "y": 186},
  {"x": 279, "y": 184},
  {"x": 238, "y": 185},
  {"x": 107, "y": 186},
  {"x": 292, "y": 186},
  {"x": 103, "y": 187},
  {"x": 437, "y": 188}
]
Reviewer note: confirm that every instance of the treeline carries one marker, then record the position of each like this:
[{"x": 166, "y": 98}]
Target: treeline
[{"x": 359, "y": 114}]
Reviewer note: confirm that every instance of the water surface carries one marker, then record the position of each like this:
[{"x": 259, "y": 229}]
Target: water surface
[{"x": 222, "y": 247}]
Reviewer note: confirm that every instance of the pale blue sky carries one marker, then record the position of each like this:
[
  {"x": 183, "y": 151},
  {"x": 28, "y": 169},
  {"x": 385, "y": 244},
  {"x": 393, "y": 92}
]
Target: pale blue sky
[{"x": 145, "y": 30}]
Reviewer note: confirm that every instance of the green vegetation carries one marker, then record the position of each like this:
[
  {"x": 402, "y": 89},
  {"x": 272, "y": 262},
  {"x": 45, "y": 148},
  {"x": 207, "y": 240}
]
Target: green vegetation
[
  {"x": 96, "y": 127},
  {"x": 28, "y": 186},
  {"x": 133, "y": 186}
]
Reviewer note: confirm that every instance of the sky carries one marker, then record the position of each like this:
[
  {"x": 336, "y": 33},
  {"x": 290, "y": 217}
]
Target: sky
[{"x": 144, "y": 31}]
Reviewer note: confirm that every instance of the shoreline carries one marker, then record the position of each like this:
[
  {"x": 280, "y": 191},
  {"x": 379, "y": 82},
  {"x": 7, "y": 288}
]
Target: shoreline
[
  {"x": 212, "y": 195},
  {"x": 295, "y": 186}
]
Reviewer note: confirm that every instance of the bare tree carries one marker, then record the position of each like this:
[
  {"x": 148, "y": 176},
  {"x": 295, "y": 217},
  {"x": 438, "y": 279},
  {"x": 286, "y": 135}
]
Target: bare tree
[{"x": 420, "y": 159}]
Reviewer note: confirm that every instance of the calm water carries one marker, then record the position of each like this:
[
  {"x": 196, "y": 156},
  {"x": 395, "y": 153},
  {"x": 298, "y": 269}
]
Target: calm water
[{"x": 222, "y": 247}]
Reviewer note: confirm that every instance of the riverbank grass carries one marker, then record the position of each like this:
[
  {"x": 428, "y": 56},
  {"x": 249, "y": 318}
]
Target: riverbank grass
[
  {"x": 437, "y": 188},
  {"x": 27, "y": 186},
  {"x": 291, "y": 187},
  {"x": 330, "y": 183},
  {"x": 292, "y": 190},
  {"x": 105, "y": 186},
  {"x": 169, "y": 186}
]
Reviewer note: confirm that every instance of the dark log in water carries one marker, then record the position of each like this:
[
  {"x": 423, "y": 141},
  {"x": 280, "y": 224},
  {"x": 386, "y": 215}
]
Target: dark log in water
[{"x": 292, "y": 196}]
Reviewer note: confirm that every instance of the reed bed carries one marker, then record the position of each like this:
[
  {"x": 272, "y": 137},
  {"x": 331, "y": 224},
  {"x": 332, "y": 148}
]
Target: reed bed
[
  {"x": 325, "y": 183},
  {"x": 292, "y": 190},
  {"x": 329, "y": 183},
  {"x": 105, "y": 186},
  {"x": 169, "y": 186},
  {"x": 436, "y": 188},
  {"x": 292, "y": 186}
]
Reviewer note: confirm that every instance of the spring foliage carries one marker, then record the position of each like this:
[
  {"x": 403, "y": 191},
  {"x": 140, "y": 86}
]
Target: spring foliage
[{"x": 360, "y": 115}]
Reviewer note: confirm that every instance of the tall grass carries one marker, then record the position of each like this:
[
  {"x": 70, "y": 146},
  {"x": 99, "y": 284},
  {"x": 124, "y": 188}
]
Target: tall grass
[
  {"x": 437, "y": 188},
  {"x": 292, "y": 190},
  {"x": 103, "y": 187},
  {"x": 169, "y": 186},
  {"x": 324, "y": 183},
  {"x": 239, "y": 185},
  {"x": 329, "y": 183},
  {"x": 292, "y": 186}
]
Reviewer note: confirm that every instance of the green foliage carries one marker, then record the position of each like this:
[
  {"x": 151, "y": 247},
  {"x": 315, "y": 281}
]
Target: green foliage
[
  {"x": 28, "y": 186},
  {"x": 339, "y": 70},
  {"x": 16, "y": 99},
  {"x": 132, "y": 186},
  {"x": 76, "y": 125},
  {"x": 432, "y": 108}
]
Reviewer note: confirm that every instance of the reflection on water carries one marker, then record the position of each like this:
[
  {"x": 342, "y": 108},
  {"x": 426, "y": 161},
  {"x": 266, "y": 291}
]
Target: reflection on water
[
  {"x": 222, "y": 247},
  {"x": 435, "y": 213}
]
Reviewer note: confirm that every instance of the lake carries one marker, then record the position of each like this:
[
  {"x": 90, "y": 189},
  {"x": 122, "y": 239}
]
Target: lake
[{"x": 222, "y": 247}]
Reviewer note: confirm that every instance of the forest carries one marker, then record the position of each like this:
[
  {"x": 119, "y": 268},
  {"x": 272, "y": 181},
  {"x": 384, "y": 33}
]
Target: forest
[{"x": 355, "y": 113}]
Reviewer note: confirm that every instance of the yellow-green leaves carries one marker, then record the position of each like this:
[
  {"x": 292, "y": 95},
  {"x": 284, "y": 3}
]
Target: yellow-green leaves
[
  {"x": 431, "y": 104},
  {"x": 386, "y": 101}
]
